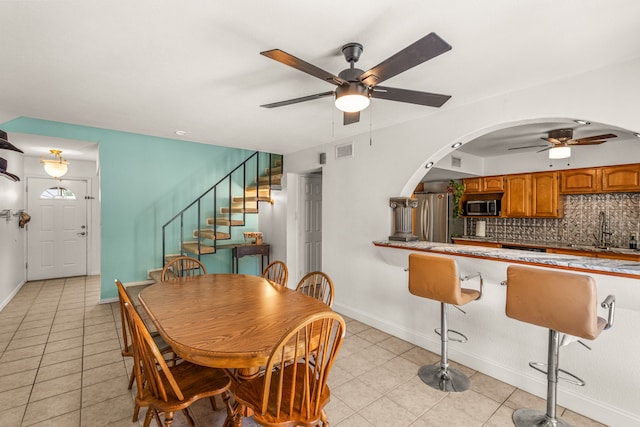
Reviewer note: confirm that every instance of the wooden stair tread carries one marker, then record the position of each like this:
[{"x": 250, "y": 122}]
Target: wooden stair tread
[
  {"x": 224, "y": 222},
  {"x": 273, "y": 171},
  {"x": 275, "y": 179},
  {"x": 210, "y": 233},
  {"x": 192, "y": 247},
  {"x": 251, "y": 199},
  {"x": 238, "y": 210}
]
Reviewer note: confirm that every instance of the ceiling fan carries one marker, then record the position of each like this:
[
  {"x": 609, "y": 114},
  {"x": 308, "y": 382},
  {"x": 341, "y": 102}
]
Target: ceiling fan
[
  {"x": 561, "y": 141},
  {"x": 355, "y": 87}
]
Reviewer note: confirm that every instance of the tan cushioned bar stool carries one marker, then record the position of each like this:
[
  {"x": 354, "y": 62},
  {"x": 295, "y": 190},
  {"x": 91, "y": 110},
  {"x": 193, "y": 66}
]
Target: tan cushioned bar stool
[
  {"x": 562, "y": 302},
  {"x": 437, "y": 278}
]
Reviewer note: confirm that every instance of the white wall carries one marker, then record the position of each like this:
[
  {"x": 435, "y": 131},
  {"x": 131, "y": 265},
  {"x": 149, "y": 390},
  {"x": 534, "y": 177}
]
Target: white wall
[
  {"x": 356, "y": 190},
  {"x": 12, "y": 238}
]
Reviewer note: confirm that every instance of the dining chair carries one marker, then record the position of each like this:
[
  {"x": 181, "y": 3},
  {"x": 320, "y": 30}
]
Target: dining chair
[
  {"x": 127, "y": 347},
  {"x": 165, "y": 389},
  {"x": 317, "y": 285},
  {"x": 297, "y": 393},
  {"x": 277, "y": 272},
  {"x": 182, "y": 266}
]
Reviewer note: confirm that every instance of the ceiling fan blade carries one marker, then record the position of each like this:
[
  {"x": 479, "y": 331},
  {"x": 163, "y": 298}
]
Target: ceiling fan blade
[
  {"x": 410, "y": 96},
  {"x": 553, "y": 141},
  {"x": 595, "y": 138},
  {"x": 350, "y": 118},
  {"x": 577, "y": 142},
  {"x": 297, "y": 63},
  {"x": 297, "y": 100},
  {"x": 545, "y": 149},
  {"x": 423, "y": 50},
  {"x": 528, "y": 146}
]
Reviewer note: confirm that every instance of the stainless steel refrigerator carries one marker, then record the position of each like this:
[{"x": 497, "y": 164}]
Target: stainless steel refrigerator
[{"x": 434, "y": 220}]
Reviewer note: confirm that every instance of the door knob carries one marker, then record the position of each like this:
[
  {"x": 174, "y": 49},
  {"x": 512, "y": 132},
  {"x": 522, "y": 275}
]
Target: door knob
[{"x": 81, "y": 233}]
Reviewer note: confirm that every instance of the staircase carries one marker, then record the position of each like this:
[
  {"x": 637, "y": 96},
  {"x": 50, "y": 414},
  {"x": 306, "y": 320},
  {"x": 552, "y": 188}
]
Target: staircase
[{"x": 207, "y": 224}]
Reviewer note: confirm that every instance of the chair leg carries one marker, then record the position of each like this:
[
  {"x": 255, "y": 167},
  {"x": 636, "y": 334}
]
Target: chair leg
[
  {"x": 444, "y": 377},
  {"x": 147, "y": 418},
  {"x": 214, "y": 406},
  {"x": 131, "y": 378},
  {"x": 323, "y": 418},
  {"x": 136, "y": 413},
  {"x": 533, "y": 418}
]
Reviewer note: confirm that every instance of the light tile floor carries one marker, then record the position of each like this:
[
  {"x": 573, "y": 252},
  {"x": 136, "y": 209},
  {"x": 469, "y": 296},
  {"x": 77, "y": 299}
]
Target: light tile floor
[{"x": 60, "y": 365}]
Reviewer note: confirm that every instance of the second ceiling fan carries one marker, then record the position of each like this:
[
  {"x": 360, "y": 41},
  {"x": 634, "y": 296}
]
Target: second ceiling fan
[
  {"x": 562, "y": 139},
  {"x": 355, "y": 87}
]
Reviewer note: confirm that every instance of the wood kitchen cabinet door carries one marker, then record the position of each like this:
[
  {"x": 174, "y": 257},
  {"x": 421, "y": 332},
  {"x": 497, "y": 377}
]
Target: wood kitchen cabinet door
[
  {"x": 472, "y": 185},
  {"x": 517, "y": 199},
  {"x": 545, "y": 200},
  {"x": 621, "y": 178},
  {"x": 580, "y": 181},
  {"x": 493, "y": 184}
]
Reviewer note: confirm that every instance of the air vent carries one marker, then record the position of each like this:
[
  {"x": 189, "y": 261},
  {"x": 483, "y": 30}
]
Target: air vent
[
  {"x": 344, "y": 150},
  {"x": 456, "y": 162}
]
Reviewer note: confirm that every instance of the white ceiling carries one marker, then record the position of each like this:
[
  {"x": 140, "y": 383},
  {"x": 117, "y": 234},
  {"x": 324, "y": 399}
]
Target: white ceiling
[{"x": 156, "y": 66}]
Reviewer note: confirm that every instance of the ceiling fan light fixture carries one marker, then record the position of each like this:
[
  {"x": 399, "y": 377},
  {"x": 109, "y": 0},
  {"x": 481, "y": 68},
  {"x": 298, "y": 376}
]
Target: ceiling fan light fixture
[
  {"x": 352, "y": 98},
  {"x": 561, "y": 152},
  {"x": 57, "y": 166}
]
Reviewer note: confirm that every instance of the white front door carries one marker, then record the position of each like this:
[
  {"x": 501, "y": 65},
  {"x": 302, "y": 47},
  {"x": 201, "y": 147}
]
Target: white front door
[
  {"x": 57, "y": 232},
  {"x": 311, "y": 190}
]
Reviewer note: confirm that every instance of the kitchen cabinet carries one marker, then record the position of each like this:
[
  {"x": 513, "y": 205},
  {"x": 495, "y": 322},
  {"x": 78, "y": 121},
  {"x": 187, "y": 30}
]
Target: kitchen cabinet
[
  {"x": 485, "y": 184},
  {"x": 580, "y": 181},
  {"x": 623, "y": 178},
  {"x": 545, "y": 200},
  {"x": 533, "y": 195},
  {"x": 517, "y": 198}
]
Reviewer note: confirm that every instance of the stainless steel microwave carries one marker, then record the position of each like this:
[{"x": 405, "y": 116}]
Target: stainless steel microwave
[{"x": 482, "y": 208}]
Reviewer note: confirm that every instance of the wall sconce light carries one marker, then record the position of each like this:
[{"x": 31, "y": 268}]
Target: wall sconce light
[{"x": 57, "y": 166}]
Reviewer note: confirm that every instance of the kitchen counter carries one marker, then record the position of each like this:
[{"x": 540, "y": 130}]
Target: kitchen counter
[
  {"x": 605, "y": 266},
  {"x": 547, "y": 245}
]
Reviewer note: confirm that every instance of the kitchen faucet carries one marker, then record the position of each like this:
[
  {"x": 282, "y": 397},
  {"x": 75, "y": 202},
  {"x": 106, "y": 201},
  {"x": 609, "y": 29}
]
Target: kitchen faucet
[{"x": 603, "y": 239}]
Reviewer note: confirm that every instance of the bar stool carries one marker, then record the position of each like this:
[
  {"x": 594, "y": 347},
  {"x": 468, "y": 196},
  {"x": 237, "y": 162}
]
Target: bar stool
[
  {"x": 563, "y": 303},
  {"x": 437, "y": 278}
]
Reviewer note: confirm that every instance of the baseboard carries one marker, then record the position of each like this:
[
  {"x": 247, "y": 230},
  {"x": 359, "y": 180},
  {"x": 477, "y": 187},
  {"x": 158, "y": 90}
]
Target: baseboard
[
  {"x": 536, "y": 385},
  {"x": 9, "y": 297},
  {"x": 115, "y": 299}
]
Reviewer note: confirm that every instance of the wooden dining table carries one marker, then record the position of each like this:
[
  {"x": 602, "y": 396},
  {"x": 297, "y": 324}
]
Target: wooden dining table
[{"x": 230, "y": 321}]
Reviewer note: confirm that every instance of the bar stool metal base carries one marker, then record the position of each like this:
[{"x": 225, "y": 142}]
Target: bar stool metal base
[
  {"x": 533, "y": 418},
  {"x": 450, "y": 379}
]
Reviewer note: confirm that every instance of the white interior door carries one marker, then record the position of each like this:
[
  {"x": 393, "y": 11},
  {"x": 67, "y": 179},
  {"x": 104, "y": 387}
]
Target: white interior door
[
  {"x": 57, "y": 232},
  {"x": 311, "y": 189}
]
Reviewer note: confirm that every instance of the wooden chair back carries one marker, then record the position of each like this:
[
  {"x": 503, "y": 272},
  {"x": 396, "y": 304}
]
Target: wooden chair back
[
  {"x": 182, "y": 266},
  {"x": 123, "y": 297},
  {"x": 277, "y": 272},
  {"x": 149, "y": 365},
  {"x": 296, "y": 393},
  {"x": 317, "y": 285}
]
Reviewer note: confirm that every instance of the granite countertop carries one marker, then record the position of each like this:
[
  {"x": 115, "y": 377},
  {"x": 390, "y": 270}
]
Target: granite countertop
[
  {"x": 603, "y": 265},
  {"x": 541, "y": 244}
]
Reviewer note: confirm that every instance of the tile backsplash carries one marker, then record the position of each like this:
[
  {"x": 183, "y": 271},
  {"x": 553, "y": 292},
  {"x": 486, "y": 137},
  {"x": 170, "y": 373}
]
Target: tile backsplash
[{"x": 580, "y": 225}]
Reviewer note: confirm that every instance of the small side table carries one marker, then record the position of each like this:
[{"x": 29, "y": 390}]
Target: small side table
[{"x": 241, "y": 250}]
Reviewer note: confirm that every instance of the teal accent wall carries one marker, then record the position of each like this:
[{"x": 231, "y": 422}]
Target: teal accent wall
[{"x": 144, "y": 181}]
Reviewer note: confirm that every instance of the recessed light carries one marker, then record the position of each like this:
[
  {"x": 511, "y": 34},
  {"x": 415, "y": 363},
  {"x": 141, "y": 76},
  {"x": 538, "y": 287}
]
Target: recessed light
[
  {"x": 429, "y": 165},
  {"x": 637, "y": 134},
  {"x": 582, "y": 122},
  {"x": 181, "y": 132},
  {"x": 456, "y": 145}
]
